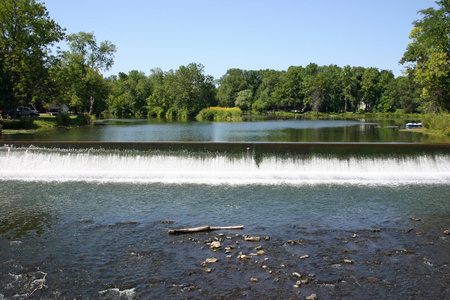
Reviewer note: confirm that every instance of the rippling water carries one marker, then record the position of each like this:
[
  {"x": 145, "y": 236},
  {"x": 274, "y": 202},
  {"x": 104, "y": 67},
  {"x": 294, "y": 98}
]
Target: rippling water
[{"x": 93, "y": 224}]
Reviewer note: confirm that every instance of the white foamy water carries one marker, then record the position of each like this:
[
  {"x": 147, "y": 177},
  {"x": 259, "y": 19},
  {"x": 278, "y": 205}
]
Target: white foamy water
[{"x": 47, "y": 165}]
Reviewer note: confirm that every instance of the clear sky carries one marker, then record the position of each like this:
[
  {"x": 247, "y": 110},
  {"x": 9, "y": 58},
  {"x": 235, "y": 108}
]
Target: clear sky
[{"x": 245, "y": 34}]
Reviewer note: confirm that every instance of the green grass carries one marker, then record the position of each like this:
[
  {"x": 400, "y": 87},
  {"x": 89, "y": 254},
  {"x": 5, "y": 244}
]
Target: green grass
[{"x": 45, "y": 122}]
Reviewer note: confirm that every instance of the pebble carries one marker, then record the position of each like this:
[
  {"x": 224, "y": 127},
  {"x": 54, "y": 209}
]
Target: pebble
[
  {"x": 211, "y": 260},
  {"x": 311, "y": 297},
  {"x": 214, "y": 245},
  {"x": 254, "y": 279},
  {"x": 296, "y": 274},
  {"x": 447, "y": 232},
  {"x": 304, "y": 256},
  {"x": 348, "y": 261}
]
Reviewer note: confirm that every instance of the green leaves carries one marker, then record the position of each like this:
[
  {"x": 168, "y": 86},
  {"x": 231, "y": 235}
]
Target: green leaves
[
  {"x": 429, "y": 56},
  {"x": 27, "y": 33}
]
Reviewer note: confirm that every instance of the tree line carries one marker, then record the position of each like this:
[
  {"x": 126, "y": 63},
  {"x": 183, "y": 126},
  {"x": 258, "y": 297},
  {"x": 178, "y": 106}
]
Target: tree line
[{"x": 34, "y": 72}]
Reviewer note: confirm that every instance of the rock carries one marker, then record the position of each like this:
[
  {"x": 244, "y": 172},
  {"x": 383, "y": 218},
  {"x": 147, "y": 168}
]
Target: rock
[
  {"x": 348, "y": 261},
  {"x": 295, "y": 274},
  {"x": 254, "y": 279},
  {"x": 447, "y": 232},
  {"x": 373, "y": 279},
  {"x": 304, "y": 256},
  {"x": 215, "y": 245},
  {"x": 207, "y": 270},
  {"x": 244, "y": 257},
  {"x": 229, "y": 256},
  {"x": 312, "y": 297},
  {"x": 306, "y": 281},
  {"x": 252, "y": 239},
  {"x": 211, "y": 260},
  {"x": 258, "y": 248},
  {"x": 355, "y": 235}
]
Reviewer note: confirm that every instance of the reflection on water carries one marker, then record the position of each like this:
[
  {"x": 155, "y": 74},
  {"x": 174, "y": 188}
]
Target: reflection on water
[{"x": 264, "y": 131}]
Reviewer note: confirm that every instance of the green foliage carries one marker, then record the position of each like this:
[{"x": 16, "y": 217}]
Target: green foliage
[
  {"x": 27, "y": 34},
  {"x": 438, "y": 123},
  {"x": 78, "y": 75},
  {"x": 181, "y": 93},
  {"x": 428, "y": 56},
  {"x": 220, "y": 114},
  {"x": 82, "y": 119},
  {"x": 63, "y": 119}
]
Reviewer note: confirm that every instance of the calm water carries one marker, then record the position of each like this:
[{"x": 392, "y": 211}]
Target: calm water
[
  {"x": 257, "y": 131},
  {"x": 93, "y": 223}
]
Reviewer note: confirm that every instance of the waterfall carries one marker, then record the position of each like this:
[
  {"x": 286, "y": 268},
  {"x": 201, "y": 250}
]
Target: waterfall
[{"x": 141, "y": 167}]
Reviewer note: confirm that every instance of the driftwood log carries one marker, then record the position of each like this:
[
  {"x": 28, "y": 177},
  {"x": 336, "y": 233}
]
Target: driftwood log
[{"x": 204, "y": 228}]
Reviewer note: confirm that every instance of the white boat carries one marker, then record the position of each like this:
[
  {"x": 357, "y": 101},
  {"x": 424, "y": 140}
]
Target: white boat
[{"x": 413, "y": 125}]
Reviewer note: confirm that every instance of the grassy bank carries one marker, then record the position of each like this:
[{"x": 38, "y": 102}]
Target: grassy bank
[
  {"x": 437, "y": 123},
  {"x": 44, "y": 122}
]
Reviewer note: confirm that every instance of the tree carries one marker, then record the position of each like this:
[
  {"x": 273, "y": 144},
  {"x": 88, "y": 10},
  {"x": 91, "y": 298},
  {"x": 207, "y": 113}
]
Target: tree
[
  {"x": 244, "y": 99},
  {"x": 230, "y": 84},
  {"x": 27, "y": 34},
  {"x": 428, "y": 56},
  {"x": 83, "y": 63}
]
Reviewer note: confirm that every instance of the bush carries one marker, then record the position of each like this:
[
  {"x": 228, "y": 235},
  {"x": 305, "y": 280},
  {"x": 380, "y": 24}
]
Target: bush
[
  {"x": 438, "y": 123},
  {"x": 220, "y": 114},
  {"x": 82, "y": 119},
  {"x": 63, "y": 119}
]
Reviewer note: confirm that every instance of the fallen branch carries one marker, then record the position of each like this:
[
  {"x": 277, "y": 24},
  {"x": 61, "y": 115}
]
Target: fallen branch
[{"x": 204, "y": 228}]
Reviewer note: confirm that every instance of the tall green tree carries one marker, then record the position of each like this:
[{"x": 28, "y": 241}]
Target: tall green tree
[
  {"x": 27, "y": 35},
  {"x": 428, "y": 56},
  {"x": 82, "y": 65},
  {"x": 230, "y": 85}
]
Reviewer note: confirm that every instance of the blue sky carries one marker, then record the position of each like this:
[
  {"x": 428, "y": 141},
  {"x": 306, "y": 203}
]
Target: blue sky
[{"x": 246, "y": 34}]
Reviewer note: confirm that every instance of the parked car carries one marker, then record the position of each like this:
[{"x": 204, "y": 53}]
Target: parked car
[{"x": 25, "y": 111}]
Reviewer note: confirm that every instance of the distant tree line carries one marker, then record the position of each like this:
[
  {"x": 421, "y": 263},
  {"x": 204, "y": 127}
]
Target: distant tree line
[{"x": 31, "y": 74}]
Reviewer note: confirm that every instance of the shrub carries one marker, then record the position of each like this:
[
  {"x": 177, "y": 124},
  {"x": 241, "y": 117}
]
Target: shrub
[
  {"x": 438, "y": 123},
  {"x": 220, "y": 114},
  {"x": 63, "y": 119},
  {"x": 82, "y": 119}
]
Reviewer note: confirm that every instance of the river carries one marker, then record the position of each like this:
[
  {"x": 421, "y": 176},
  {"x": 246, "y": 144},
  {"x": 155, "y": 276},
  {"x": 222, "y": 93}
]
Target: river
[{"x": 353, "y": 220}]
